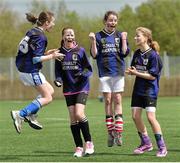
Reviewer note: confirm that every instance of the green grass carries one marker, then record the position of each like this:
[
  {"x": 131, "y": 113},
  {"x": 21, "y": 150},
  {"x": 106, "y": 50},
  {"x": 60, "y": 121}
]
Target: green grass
[{"x": 55, "y": 144}]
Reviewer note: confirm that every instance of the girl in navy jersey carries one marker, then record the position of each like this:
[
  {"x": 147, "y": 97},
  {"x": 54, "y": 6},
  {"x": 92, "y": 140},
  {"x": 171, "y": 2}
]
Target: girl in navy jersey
[
  {"x": 146, "y": 66},
  {"x": 109, "y": 47},
  {"x": 74, "y": 72},
  {"x": 31, "y": 54}
]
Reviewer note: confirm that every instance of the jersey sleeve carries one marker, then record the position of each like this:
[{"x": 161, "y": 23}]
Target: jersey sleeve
[
  {"x": 58, "y": 70},
  {"x": 133, "y": 60},
  {"x": 87, "y": 69},
  {"x": 155, "y": 65}
]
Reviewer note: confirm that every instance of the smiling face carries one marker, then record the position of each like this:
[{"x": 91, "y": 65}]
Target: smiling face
[
  {"x": 143, "y": 37},
  {"x": 140, "y": 39},
  {"x": 111, "y": 23},
  {"x": 68, "y": 37}
]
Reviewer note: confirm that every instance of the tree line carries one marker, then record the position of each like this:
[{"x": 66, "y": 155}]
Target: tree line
[{"x": 161, "y": 16}]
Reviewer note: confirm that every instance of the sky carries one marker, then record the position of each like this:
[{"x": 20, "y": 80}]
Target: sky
[{"x": 82, "y": 7}]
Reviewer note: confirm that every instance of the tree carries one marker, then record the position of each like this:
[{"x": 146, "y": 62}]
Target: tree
[
  {"x": 163, "y": 18},
  {"x": 8, "y": 30},
  {"x": 128, "y": 21}
]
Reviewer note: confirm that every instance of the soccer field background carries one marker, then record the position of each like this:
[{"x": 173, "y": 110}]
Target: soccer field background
[{"x": 54, "y": 142}]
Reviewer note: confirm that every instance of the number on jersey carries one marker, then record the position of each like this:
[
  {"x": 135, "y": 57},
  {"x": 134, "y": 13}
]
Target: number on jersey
[{"x": 23, "y": 45}]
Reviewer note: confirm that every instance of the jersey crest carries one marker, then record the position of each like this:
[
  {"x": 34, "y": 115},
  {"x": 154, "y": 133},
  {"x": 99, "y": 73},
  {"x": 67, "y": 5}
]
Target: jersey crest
[
  {"x": 145, "y": 61},
  {"x": 74, "y": 56}
]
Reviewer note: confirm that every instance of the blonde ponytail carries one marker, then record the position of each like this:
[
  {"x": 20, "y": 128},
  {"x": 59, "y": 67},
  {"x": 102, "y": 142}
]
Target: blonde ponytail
[{"x": 155, "y": 46}]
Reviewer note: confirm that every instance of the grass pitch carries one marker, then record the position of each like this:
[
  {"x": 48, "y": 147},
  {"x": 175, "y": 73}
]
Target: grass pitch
[{"x": 54, "y": 142}]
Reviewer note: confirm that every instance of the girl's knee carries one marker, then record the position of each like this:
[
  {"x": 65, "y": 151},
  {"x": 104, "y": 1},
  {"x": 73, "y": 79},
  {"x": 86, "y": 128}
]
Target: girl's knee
[
  {"x": 108, "y": 101},
  {"x": 117, "y": 99},
  {"x": 52, "y": 91},
  {"x": 79, "y": 116},
  {"x": 151, "y": 119},
  {"x": 48, "y": 99},
  {"x": 135, "y": 118}
]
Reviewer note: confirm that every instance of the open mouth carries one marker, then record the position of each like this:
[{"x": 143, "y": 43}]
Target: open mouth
[{"x": 70, "y": 40}]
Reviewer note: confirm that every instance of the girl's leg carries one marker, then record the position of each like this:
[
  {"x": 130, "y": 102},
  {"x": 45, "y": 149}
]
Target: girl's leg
[
  {"x": 146, "y": 144},
  {"x": 162, "y": 152},
  {"x": 75, "y": 130},
  {"x": 45, "y": 97},
  {"x": 108, "y": 104},
  {"x": 117, "y": 98},
  {"x": 84, "y": 127},
  {"x": 46, "y": 91},
  {"x": 83, "y": 121},
  {"x": 136, "y": 116},
  {"x": 28, "y": 112},
  {"x": 109, "y": 118}
]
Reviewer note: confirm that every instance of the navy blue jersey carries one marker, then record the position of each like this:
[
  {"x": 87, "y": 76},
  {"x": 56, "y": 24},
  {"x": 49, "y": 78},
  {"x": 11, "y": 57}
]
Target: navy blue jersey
[
  {"x": 32, "y": 45},
  {"x": 147, "y": 62},
  {"x": 74, "y": 70},
  {"x": 110, "y": 58}
]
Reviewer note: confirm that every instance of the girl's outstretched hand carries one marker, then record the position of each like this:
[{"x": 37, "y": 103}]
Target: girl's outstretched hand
[
  {"x": 131, "y": 70},
  {"x": 48, "y": 52},
  {"x": 57, "y": 55}
]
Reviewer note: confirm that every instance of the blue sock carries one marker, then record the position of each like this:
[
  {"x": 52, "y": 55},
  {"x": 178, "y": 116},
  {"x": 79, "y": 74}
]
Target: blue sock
[
  {"x": 159, "y": 140},
  {"x": 32, "y": 108}
]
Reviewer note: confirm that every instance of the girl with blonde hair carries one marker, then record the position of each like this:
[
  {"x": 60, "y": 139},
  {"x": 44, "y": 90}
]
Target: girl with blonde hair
[{"x": 146, "y": 65}]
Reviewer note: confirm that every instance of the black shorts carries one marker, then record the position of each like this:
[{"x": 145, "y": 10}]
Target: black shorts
[
  {"x": 143, "y": 101},
  {"x": 80, "y": 98}
]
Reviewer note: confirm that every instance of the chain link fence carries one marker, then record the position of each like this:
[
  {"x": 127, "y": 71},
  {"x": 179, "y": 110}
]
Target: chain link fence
[
  {"x": 9, "y": 78},
  {"x": 8, "y": 69}
]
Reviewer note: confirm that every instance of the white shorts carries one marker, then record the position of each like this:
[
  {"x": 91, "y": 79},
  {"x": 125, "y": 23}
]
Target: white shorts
[
  {"x": 32, "y": 79},
  {"x": 112, "y": 84},
  {"x": 148, "y": 109}
]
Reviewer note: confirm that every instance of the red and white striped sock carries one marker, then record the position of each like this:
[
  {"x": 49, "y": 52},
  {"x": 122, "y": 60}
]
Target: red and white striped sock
[
  {"x": 119, "y": 124},
  {"x": 109, "y": 124}
]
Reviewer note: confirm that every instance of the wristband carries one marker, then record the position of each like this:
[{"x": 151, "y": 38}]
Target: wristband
[{"x": 36, "y": 60}]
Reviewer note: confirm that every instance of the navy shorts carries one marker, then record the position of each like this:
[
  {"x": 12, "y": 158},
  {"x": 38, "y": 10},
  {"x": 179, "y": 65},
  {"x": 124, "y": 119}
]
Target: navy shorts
[
  {"x": 80, "y": 98},
  {"x": 143, "y": 101}
]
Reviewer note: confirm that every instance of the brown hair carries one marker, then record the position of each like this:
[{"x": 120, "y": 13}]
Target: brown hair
[
  {"x": 64, "y": 29},
  {"x": 109, "y": 13},
  {"x": 41, "y": 19},
  {"x": 62, "y": 33},
  {"x": 148, "y": 33}
]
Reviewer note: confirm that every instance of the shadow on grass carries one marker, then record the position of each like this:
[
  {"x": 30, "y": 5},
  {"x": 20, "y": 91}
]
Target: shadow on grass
[
  {"x": 57, "y": 154},
  {"x": 95, "y": 154},
  {"x": 22, "y": 157},
  {"x": 173, "y": 150}
]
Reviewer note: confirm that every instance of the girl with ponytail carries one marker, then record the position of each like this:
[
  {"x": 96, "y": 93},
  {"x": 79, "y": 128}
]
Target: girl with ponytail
[
  {"x": 146, "y": 65},
  {"x": 30, "y": 56}
]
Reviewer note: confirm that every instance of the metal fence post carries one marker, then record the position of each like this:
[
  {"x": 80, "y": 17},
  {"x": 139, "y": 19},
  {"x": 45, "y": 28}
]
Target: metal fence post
[
  {"x": 166, "y": 64},
  {"x": 51, "y": 70},
  {"x": 11, "y": 59}
]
